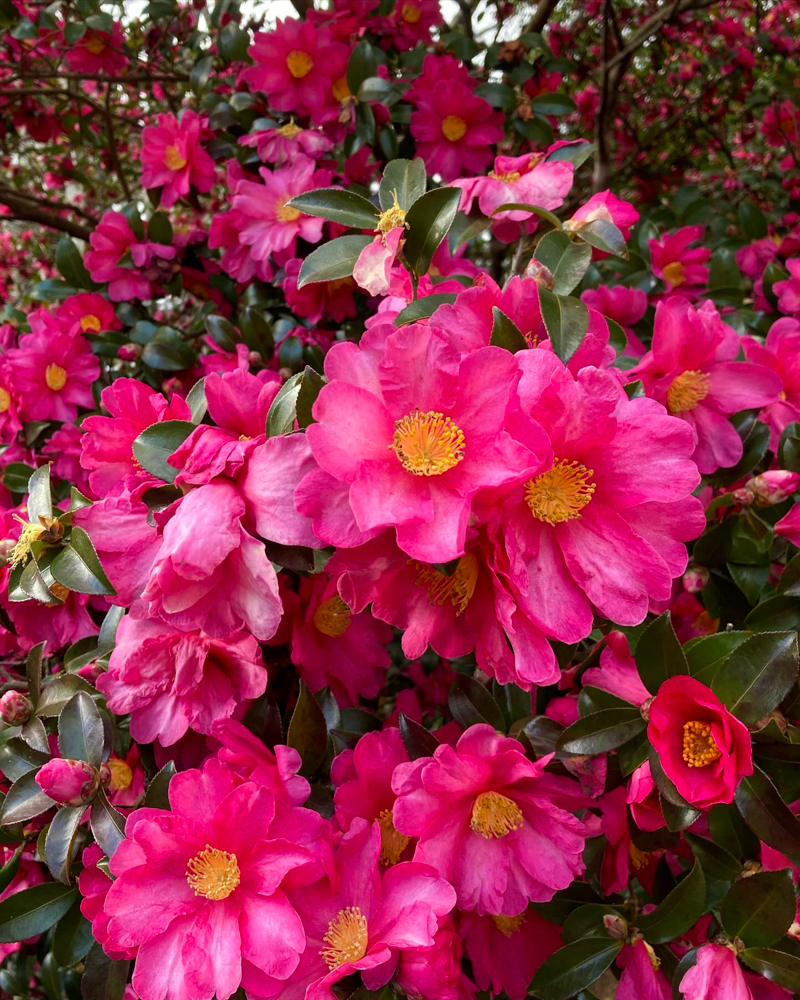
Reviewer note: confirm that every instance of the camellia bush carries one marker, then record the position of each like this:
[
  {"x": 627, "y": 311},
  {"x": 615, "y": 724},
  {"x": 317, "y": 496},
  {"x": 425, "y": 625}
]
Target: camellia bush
[{"x": 399, "y": 522}]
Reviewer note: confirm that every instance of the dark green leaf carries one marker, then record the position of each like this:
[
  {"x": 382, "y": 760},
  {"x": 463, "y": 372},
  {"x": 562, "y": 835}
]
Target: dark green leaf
[
  {"x": 523, "y": 206},
  {"x": 758, "y": 674},
  {"x": 168, "y": 356},
  {"x": 658, "y": 654},
  {"x": 574, "y": 967},
  {"x": 363, "y": 63},
  {"x": 776, "y": 966},
  {"x": 678, "y": 912},
  {"x": 342, "y": 206},
  {"x": 33, "y": 911},
  {"x": 470, "y": 703},
  {"x": 17, "y": 758},
  {"x": 752, "y": 220},
  {"x": 553, "y": 104},
  {"x": 715, "y": 861},
  {"x": 283, "y": 410},
  {"x": 201, "y": 73},
  {"x": 103, "y": 978},
  {"x": 424, "y": 307},
  {"x": 705, "y": 654},
  {"x": 310, "y": 386},
  {"x": 605, "y": 236},
  {"x": 16, "y": 476},
  {"x": 33, "y": 670},
  {"x": 789, "y": 448},
  {"x": 58, "y": 691},
  {"x": 156, "y": 443},
  {"x": 767, "y": 814},
  {"x": 108, "y": 825},
  {"x": 232, "y": 43},
  {"x": 730, "y": 831},
  {"x": 332, "y": 260},
  {"x": 499, "y": 95},
  {"x": 587, "y": 921},
  {"x": 73, "y": 936},
  {"x": 602, "y": 731},
  {"x": 418, "y": 741},
  {"x": 60, "y": 841},
  {"x": 222, "y": 332},
  {"x": 80, "y": 730},
  {"x": 24, "y": 801},
  {"x": 428, "y": 221},
  {"x": 308, "y": 732},
  {"x": 506, "y": 333},
  {"x": 157, "y": 796},
  {"x": 70, "y": 264},
  {"x": 404, "y": 178},
  {"x": 159, "y": 229},
  {"x": 566, "y": 320},
  {"x": 760, "y": 909},
  {"x": 78, "y": 567}
]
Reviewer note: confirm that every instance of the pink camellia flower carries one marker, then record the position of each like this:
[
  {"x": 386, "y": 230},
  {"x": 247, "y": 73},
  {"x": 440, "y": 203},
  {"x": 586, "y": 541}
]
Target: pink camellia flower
[
  {"x": 329, "y": 299},
  {"x": 199, "y": 890},
  {"x": 643, "y": 798},
  {"x": 527, "y": 178},
  {"x": 359, "y": 920},
  {"x": 621, "y": 858},
  {"x": 606, "y": 207},
  {"x": 768, "y": 488},
  {"x": 373, "y": 269},
  {"x": 491, "y": 822},
  {"x": 677, "y": 265},
  {"x": 454, "y": 130},
  {"x": 293, "y": 64},
  {"x": 10, "y": 402},
  {"x": 715, "y": 975},
  {"x": 107, "y": 445},
  {"x": 281, "y": 145},
  {"x": 173, "y": 158},
  {"x": 691, "y": 369},
  {"x": 63, "y": 448},
  {"x": 209, "y": 572},
  {"x": 110, "y": 242},
  {"x": 171, "y": 681},
  {"x": 781, "y": 124},
  {"x": 59, "y": 624},
  {"x": 93, "y": 884},
  {"x": 788, "y": 291},
  {"x": 505, "y": 952},
  {"x": 125, "y": 785},
  {"x": 15, "y": 708},
  {"x": 71, "y": 782},
  {"x": 363, "y": 781},
  {"x": 624, "y": 305},
  {"x": 332, "y": 646},
  {"x": 99, "y": 52},
  {"x": 752, "y": 259},
  {"x": 412, "y": 431},
  {"x": 53, "y": 375},
  {"x": 87, "y": 312},
  {"x": 781, "y": 353},
  {"x": 703, "y": 749},
  {"x": 617, "y": 672},
  {"x": 409, "y": 23},
  {"x": 789, "y": 526},
  {"x": 435, "y": 972},
  {"x": 247, "y": 756},
  {"x": 642, "y": 978}
]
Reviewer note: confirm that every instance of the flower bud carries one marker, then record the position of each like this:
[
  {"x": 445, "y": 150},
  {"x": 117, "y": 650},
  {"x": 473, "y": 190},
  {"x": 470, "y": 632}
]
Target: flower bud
[
  {"x": 695, "y": 578},
  {"x": 129, "y": 352},
  {"x": 70, "y": 782},
  {"x": 616, "y": 926},
  {"x": 542, "y": 275},
  {"x": 773, "y": 487},
  {"x": 15, "y": 708}
]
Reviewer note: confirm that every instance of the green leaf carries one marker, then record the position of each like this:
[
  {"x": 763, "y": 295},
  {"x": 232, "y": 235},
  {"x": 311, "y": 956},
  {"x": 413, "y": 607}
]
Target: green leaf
[
  {"x": 587, "y": 921},
  {"x": 283, "y": 410},
  {"x": 168, "y": 356},
  {"x": 499, "y": 95},
  {"x": 60, "y": 841},
  {"x": 760, "y": 909},
  {"x": 731, "y": 832},
  {"x": 157, "y": 796},
  {"x": 576, "y": 153},
  {"x": 776, "y": 966},
  {"x": 553, "y": 104},
  {"x": 80, "y": 730},
  {"x": 159, "y": 229},
  {"x": 772, "y": 274},
  {"x": 33, "y": 911},
  {"x": 716, "y": 862},
  {"x": 767, "y": 814},
  {"x": 58, "y": 691},
  {"x": 73, "y": 937},
  {"x": 566, "y": 320},
  {"x": 424, "y": 307},
  {"x": 362, "y": 64},
  {"x": 470, "y": 703},
  {"x": 16, "y": 476},
  {"x": 682, "y": 908},
  {"x": 103, "y": 978},
  {"x": 78, "y": 567},
  {"x": 24, "y": 801},
  {"x": 574, "y": 967},
  {"x": 705, "y": 654},
  {"x": 523, "y": 206},
  {"x": 758, "y": 674},
  {"x": 602, "y": 731},
  {"x": 789, "y": 448},
  {"x": 10, "y": 868},
  {"x": 69, "y": 264},
  {"x": 33, "y": 670},
  {"x": 222, "y": 332},
  {"x": 406, "y": 179},
  {"x": 40, "y": 503},
  {"x": 343, "y": 206},
  {"x": 156, "y": 443},
  {"x": 201, "y": 73},
  {"x": 308, "y": 731},
  {"x": 566, "y": 260},
  {"x": 752, "y": 220},
  {"x": 17, "y": 758},
  {"x": 233, "y": 42},
  {"x": 310, "y": 386},
  {"x": 605, "y": 236},
  {"x": 658, "y": 654},
  {"x": 108, "y": 825},
  {"x": 429, "y": 220},
  {"x": 506, "y": 333},
  {"x": 418, "y": 741},
  {"x": 332, "y": 260}
]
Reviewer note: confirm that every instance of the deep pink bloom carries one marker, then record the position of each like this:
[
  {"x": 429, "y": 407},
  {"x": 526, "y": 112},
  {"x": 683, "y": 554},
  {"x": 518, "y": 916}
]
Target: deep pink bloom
[
  {"x": 752, "y": 259},
  {"x": 171, "y": 681},
  {"x": 87, "y": 312},
  {"x": 126, "y": 785},
  {"x": 113, "y": 240},
  {"x": 281, "y": 145},
  {"x": 788, "y": 291},
  {"x": 408, "y": 24},
  {"x": 617, "y": 672},
  {"x": 53, "y": 375},
  {"x": 435, "y": 973},
  {"x": 63, "y": 449},
  {"x": 199, "y": 890},
  {"x": 607, "y": 207},
  {"x": 527, "y": 178},
  {"x": 691, "y": 369},
  {"x": 621, "y": 860},
  {"x": 624, "y": 305},
  {"x": 436, "y": 69},
  {"x": 455, "y": 130},
  {"x": 58, "y": 624},
  {"x": 71, "y": 782},
  {"x": 15, "y": 708},
  {"x": 505, "y": 952},
  {"x": 781, "y": 353},
  {"x": 329, "y": 299},
  {"x": 173, "y": 158},
  {"x": 644, "y": 800},
  {"x": 641, "y": 977},
  {"x": 781, "y": 124},
  {"x": 703, "y": 748},
  {"x": 676, "y": 264},
  {"x": 93, "y": 884},
  {"x": 716, "y": 975},
  {"x": 247, "y": 756},
  {"x": 789, "y": 525},
  {"x": 491, "y": 822},
  {"x": 107, "y": 445},
  {"x": 99, "y": 52}
]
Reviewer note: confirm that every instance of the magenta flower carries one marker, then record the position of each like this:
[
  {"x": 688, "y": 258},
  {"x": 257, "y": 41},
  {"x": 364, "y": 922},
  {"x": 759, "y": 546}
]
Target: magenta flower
[
  {"x": 642, "y": 978},
  {"x": 99, "y": 52},
  {"x": 676, "y": 264},
  {"x": 617, "y": 672},
  {"x": 332, "y": 300},
  {"x": 93, "y": 884},
  {"x": 247, "y": 756},
  {"x": 644, "y": 799},
  {"x": 415, "y": 431},
  {"x": 199, "y": 892},
  {"x": 107, "y": 445},
  {"x": 690, "y": 368},
  {"x": 523, "y": 178},
  {"x": 435, "y": 973},
  {"x": 63, "y": 449},
  {"x": 281, "y": 145},
  {"x": 491, "y": 822},
  {"x": 607, "y": 207},
  {"x": 360, "y": 920},
  {"x": 781, "y": 353},
  {"x": 788, "y": 291},
  {"x": 454, "y": 130},
  {"x": 111, "y": 242},
  {"x": 173, "y": 158},
  {"x": 171, "y": 681},
  {"x": 373, "y": 269},
  {"x": 53, "y": 375},
  {"x": 87, "y": 312},
  {"x": 789, "y": 526},
  {"x": 125, "y": 787},
  {"x": 71, "y": 782},
  {"x": 624, "y": 305},
  {"x": 715, "y": 974},
  {"x": 58, "y": 624}
]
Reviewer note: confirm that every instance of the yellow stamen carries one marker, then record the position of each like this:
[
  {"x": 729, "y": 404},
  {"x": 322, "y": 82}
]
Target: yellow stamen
[
  {"x": 675, "y": 273},
  {"x": 90, "y": 322},
  {"x": 333, "y": 617},
  {"x": 22, "y": 549},
  {"x": 505, "y": 178},
  {"x": 428, "y": 444},
  {"x": 655, "y": 961},
  {"x": 453, "y": 128},
  {"x": 121, "y": 775},
  {"x": 393, "y": 843},
  {"x": 688, "y": 389},
  {"x": 55, "y": 377},
  {"x": 340, "y": 90},
  {"x": 699, "y": 747},
  {"x": 638, "y": 858},
  {"x": 286, "y": 213},
  {"x": 561, "y": 493},
  {"x": 289, "y": 130},
  {"x": 95, "y": 44},
  {"x": 299, "y": 63},
  {"x": 5, "y": 400},
  {"x": 346, "y": 938},
  {"x": 392, "y": 217},
  {"x": 495, "y": 815},
  {"x": 174, "y": 159},
  {"x": 509, "y": 925},
  {"x": 410, "y": 14},
  {"x": 458, "y": 588},
  {"x": 213, "y": 873}
]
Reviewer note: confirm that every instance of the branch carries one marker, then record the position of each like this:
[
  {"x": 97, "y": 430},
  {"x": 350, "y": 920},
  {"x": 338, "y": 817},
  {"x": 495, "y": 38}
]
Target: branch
[
  {"x": 542, "y": 15},
  {"x": 27, "y": 211},
  {"x": 654, "y": 23},
  {"x": 112, "y": 146},
  {"x": 99, "y": 77},
  {"x": 58, "y": 206}
]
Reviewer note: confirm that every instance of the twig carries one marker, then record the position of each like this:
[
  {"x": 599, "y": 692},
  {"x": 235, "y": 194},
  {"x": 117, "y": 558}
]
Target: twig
[
  {"x": 27, "y": 211},
  {"x": 112, "y": 146}
]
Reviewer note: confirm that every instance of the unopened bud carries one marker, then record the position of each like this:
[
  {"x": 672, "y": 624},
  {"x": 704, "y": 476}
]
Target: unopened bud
[
  {"x": 644, "y": 708},
  {"x": 254, "y": 357},
  {"x": 773, "y": 487},
  {"x": 129, "y": 352},
  {"x": 695, "y": 578},
  {"x": 15, "y": 708},
  {"x": 70, "y": 782},
  {"x": 542, "y": 275},
  {"x": 616, "y": 926}
]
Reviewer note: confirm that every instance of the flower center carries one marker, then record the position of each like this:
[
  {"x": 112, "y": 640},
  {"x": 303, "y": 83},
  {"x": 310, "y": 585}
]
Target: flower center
[
  {"x": 509, "y": 925},
  {"x": 333, "y": 617},
  {"x": 638, "y": 858},
  {"x": 561, "y": 493},
  {"x": 95, "y": 44},
  {"x": 410, "y": 14},
  {"x": 289, "y": 130},
  {"x": 699, "y": 748},
  {"x": 688, "y": 389},
  {"x": 458, "y": 588},
  {"x": 428, "y": 444},
  {"x": 675, "y": 273},
  {"x": 5, "y": 400},
  {"x": 286, "y": 213},
  {"x": 495, "y": 815},
  {"x": 346, "y": 938},
  {"x": 22, "y": 549},
  {"x": 213, "y": 874},
  {"x": 55, "y": 377},
  {"x": 505, "y": 178},
  {"x": 392, "y": 217},
  {"x": 121, "y": 775},
  {"x": 453, "y": 128},
  {"x": 393, "y": 843},
  {"x": 299, "y": 63},
  {"x": 174, "y": 159},
  {"x": 340, "y": 89}
]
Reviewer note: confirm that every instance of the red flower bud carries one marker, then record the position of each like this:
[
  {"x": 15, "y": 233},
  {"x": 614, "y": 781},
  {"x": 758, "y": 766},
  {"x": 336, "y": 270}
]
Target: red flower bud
[
  {"x": 15, "y": 708},
  {"x": 70, "y": 782}
]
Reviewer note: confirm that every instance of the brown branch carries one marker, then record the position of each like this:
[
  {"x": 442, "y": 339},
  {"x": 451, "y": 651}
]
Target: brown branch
[
  {"x": 27, "y": 211},
  {"x": 58, "y": 206},
  {"x": 112, "y": 146},
  {"x": 654, "y": 23},
  {"x": 543, "y": 12},
  {"x": 98, "y": 77}
]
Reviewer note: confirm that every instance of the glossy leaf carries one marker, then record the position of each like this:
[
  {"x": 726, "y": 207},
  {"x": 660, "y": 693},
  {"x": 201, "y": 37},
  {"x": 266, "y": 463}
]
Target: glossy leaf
[
  {"x": 308, "y": 732},
  {"x": 418, "y": 741},
  {"x": 24, "y": 801},
  {"x": 58, "y": 691},
  {"x": 333, "y": 260},
  {"x": 659, "y": 654},
  {"x": 777, "y": 966},
  {"x": 716, "y": 862},
  {"x": 103, "y": 978},
  {"x": 108, "y": 825},
  {"x": 605, "y": 236},
  {"x": 78, "y": 567},
  {"x": 40, "y": 503},
  {"x": 424, "y": 307},
  {"x": 34, "y": 911},
  {"x": 758, "y": 674},
  {"x": 283, "y": 410},
  {"x": 73, "y": 936},
  {"x": 156, "y": 443},
  {"x": 80, "y": 730},
  {"x": 767, "y": 814},
  {"x": 706, "y": 654},
  {"x": 574, "y": 967},
  {"x": 157, "y": 795},
  {"x": 404, "y": 178},
  {"x": 760, "y": 909},
  {"x": 343, "y": 206},
  {"x": 602, "y": 731},
  {"x": 470, "y": 703},
  {"x": 566, "y": 320},
  {"x": 506, "y": 333},
  {"x": 60, "y": 841},
  {"x": 678, "y": 912},
  {"x": 429, "y": 220}
]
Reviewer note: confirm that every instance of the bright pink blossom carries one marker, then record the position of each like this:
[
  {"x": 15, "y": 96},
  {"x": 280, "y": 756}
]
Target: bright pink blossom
[
  {"x": 93, "y": 884},
  {"x": 53, "y": 375},
  {"x": 63, "y": 449},
  {"x": 247, "y": 756},
  {"x": 641, "y": 977},
  {"x": 281, "y": 145},
  {"x": 373, "y": 269},
  {"x": 675, "y": 263},
  {"x": 617, "y": 672},
  {"x": 527, "y": 178},
  {"x": 332, "y": 300},
  {"x": 111, "y": 242},
  {"x": 87, "y": 312},
  {"x": 643, "y": 798},
  {"x": 99, "y": 52},
  {"x": 173, "y": 158},
  {"x": 71, "y": 782},
  {"x": 435, "y": 973},
  {"x": 781, "y": 353},
  {"x": 605, "y": 207},
  {"x": 624, "y": 305},
  {"x": 788, "y": 291},
  {"x": 716, "y": 975}
]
